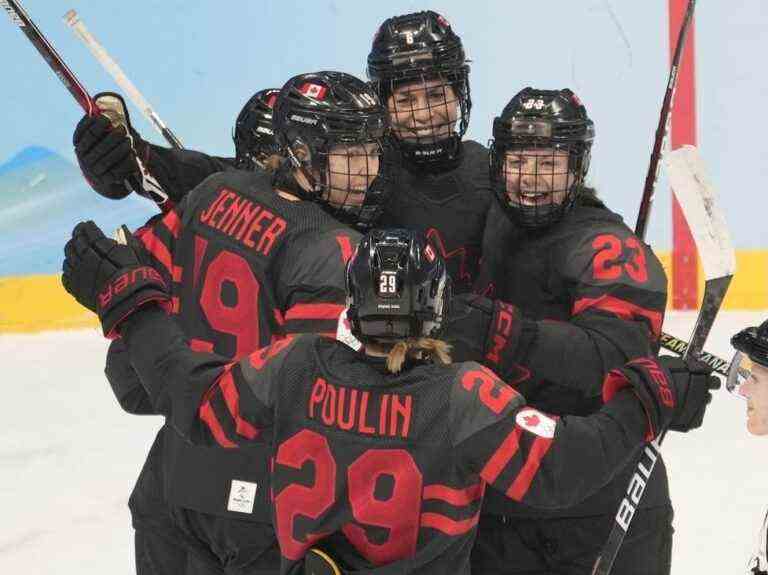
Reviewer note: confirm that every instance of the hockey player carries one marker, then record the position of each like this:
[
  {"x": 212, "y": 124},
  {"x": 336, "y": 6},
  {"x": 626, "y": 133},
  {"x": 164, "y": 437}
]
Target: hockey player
[
  {"x": 246, "y": 264},
  {"x": 585, "y": 296},
  {"x": 107, "y": 149},
  {"x": 748, "y": 377},
  {"x": 419, "y": 68},
  {"x": 380, "y": 459}
]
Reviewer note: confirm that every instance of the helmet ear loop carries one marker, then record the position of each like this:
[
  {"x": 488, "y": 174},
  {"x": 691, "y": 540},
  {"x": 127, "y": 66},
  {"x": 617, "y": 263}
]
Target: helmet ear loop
[{"x": 299, "y": 166}]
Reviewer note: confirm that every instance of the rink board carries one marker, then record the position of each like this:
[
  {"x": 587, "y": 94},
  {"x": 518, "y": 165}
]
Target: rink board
[{"x": 35, "y": 303}]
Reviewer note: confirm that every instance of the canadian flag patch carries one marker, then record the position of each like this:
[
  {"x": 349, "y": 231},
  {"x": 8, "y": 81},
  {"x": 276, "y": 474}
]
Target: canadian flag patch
[
  {"x": 316, "y": 91},
  {"x": 536, "y": 422}
]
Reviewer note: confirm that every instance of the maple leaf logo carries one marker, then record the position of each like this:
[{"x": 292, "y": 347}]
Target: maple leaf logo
[
  {"x": 532, "y": 420},
  {"x": 437, "y": 240}
]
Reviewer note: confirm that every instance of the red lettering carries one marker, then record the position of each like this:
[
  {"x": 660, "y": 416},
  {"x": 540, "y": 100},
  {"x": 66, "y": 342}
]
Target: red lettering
[
  {"x": 206, "y": 214},
  {"x": 400, "y": 411},
  {"x": 349, "y": 422},
  {"x": 329, "y": 405},
  {"x": 492, "y": 391},
  {"x": 269, "y": 237},
  {"x": 362, "y": 424},
  {"x": 317, "y": 395},
  {"x": 220, "y": 207},
  {"x": 256, "y": 227}
]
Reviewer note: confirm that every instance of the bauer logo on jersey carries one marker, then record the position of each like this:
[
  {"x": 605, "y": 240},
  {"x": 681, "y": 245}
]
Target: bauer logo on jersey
[
  {"x": 316, "y": 91},
  {"x": 536, "y": 422}
]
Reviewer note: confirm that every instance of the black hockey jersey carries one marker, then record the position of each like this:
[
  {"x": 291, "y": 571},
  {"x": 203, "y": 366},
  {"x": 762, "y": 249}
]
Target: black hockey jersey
[
  {"x": 588, "y": 297},
  {"x": 379, "y": 469},
  {"x": 449, "y": 208},
  {"x": 246, "y": 267}
]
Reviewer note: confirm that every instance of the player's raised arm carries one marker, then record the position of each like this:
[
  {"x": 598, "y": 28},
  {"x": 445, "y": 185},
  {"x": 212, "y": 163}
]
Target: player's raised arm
[{"x": 550, "y": 462}]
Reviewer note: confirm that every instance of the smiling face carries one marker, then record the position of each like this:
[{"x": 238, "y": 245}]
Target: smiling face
[
  {"x": 424, "y": 111},
  {"x": 351, "y": 170},
  {"x": 755, "y": 389},
  {"x": 536, "y": 176}
]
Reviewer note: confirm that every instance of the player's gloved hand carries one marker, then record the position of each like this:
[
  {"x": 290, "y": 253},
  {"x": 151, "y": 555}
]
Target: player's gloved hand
[
  {"x": 108, "y": 278},
  {"x": 694, "y": 383},
  {"x": 484, "y": 330},
  {"x": 108, "y": 148},
  {"x": 668, "y": 397}
]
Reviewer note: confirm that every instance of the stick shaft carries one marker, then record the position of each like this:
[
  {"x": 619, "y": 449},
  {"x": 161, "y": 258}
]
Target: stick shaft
[
  {"x": 20, "y": 17},
  {"x": 72, "y": 20}
]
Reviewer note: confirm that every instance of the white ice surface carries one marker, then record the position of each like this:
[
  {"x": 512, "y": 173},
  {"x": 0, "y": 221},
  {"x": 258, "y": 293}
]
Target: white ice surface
[{"x": 69, "y": 457}]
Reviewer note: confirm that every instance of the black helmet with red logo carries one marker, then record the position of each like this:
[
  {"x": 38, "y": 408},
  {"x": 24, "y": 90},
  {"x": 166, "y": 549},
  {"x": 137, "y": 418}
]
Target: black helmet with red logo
[{"x": 397, "y": 287}]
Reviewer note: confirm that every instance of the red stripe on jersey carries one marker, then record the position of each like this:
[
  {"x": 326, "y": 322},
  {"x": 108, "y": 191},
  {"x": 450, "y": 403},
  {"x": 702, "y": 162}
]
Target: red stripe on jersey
[
  {"x": 501, "y": 456},
  {"x": 232, "y": 399},
  {"x": 161, "y": 253},
  {"x": 279, "y": 318},
  {"x": 622, "y": 308},
  {"x": 314, "y": 311},
  {"x": 172, "y": 221},
  {"x": 447, "y": 525},
  {"x": 346, "y": 247},
  {"x": 175, "y": 305},
  {"x": 522, "y": 482},
  {"x": 201, "y": 345},
  {"x": 208, "y": 417},
  {"x": 454, "y": 496},
  {"x": 201, "y": 244}
]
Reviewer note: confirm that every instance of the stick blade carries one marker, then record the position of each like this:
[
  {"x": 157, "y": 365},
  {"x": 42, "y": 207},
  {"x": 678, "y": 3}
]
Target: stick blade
[{"x": 699, "y": 202}]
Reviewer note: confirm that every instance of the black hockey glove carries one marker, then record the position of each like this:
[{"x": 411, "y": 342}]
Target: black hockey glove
[
  {"x": 108, "y": 148},
  {"x": 694, "y": 382},
  {"x": 108, "y": 278},
  {"x": 666, "y": 396},
  {"x": 484, "y": 330}
]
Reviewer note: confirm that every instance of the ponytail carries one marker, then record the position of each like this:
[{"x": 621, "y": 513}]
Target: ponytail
[{"x": 413, "y": 348}]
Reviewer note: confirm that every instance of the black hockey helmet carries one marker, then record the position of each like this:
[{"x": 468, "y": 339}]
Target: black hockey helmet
[
  {"x": 397, "y": 287},
  {"x": 253, "y": 135},
  {"x": 419, "y": 69},
  {"x": 536, "y": 184},
  {"x": 332, "y": 128},
  {"x": 751, "y": 346}
]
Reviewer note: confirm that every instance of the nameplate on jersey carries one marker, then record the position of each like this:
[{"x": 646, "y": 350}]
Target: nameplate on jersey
[
  {"x": 536, "y": 422},
  {"x": 242, "y": 496},
  {"x": 244, "y": 220}
]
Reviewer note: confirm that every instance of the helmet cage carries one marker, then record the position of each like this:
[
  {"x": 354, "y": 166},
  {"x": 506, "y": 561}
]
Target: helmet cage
[
  {"x": 339, "y": 148},
  {"x": 419, "y": 53},
  {"x": 539, "y": 162}
]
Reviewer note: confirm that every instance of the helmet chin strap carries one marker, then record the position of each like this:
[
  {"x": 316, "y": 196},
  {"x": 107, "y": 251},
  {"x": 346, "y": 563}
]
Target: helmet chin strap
[{"x": 299, "y": 167}]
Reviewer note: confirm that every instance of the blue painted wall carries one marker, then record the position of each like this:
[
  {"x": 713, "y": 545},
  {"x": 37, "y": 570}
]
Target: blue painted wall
[{"x": 197, "y": 62}]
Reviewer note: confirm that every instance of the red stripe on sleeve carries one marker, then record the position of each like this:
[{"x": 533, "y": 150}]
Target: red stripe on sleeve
[
  {"x": 454, "y": 496},
  {"x": 161, "y": 253},
  {"x": 172, "y": 221},
  {"x": 501, "y": 456},
  {"x": 346, "y": 247},
  {"x": 232, "y": 399},
  {"x": 314, "y": 311},
  {"x": 447, "y": 525},
  {"x": 622, "y": 308},
  {"x": 522, "y": 482},
  {"x": 201, "y": 345},
  {"x": 208, "y": 417}
]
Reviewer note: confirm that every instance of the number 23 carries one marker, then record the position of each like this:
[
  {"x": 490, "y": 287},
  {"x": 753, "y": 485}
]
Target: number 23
[{"x": 609, "y": 251}]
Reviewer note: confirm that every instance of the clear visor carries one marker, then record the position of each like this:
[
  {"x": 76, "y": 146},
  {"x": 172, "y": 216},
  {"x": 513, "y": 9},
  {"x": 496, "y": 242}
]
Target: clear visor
[{"x": 739, "y": 373}]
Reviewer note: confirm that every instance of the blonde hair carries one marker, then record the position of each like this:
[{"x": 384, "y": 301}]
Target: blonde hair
[
  {"x": 413, "y": 348},
  {"x": 271, "y": 163}
]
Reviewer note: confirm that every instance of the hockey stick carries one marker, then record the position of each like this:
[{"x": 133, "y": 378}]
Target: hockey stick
[
  {"x": 20, "y": 17},
  {"x": 72, "y": 20},
  {"x": 663, "y": 127},
  {"x": 680, "y": 347},
  {"x": 698, "y": 200}
]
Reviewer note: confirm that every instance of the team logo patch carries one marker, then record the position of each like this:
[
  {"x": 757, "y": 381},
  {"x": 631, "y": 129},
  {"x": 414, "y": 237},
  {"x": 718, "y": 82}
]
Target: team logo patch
[
  {"x": 315, "y": 91},
  {"x": 536, "y": 422},
  {"x": 443, "y": 22},
  {"x": 272, "y": 98}
]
